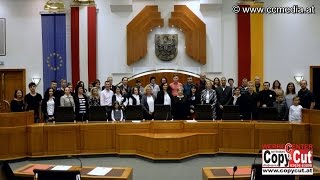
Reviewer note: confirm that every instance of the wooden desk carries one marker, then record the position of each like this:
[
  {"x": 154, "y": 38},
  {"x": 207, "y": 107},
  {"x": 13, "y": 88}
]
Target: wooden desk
[
  {"x": 117, "y": 173},
  {"x": 151, "y": 139},
  {"x": 13, "y": 134},
  {"x": 221, "y": 173}
]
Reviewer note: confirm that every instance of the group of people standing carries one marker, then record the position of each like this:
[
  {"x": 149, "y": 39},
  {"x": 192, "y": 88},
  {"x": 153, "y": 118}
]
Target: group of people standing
[{"x": 182, "y": 98}]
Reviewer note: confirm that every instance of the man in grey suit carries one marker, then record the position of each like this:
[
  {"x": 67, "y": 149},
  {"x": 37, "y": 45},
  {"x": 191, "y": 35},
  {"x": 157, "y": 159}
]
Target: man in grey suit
[{"x": 224, "y": 95}]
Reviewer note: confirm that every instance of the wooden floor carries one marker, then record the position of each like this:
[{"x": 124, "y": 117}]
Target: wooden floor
[{"x": 155, "y": 139}]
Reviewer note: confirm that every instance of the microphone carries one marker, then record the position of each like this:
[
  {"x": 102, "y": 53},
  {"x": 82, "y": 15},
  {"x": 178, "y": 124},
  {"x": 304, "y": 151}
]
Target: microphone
[
  {"x": 75, "y": 157},
  {"x": 253, "y": 170},
  {"x": 260, "y": 151},
  {"x": 234, "y": 170}
]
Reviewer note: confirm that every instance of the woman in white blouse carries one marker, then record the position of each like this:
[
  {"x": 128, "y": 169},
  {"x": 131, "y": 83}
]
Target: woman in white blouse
[
  {"x": 48, "y": 105},
  {"x": 118, "y": 96},
  {"x": 135, "y": 97},
  {"x": 147, "y": 102}
]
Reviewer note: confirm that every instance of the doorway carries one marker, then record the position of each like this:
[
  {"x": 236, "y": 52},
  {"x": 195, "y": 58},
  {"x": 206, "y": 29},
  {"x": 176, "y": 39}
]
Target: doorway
[
  {"x": 10, "y": 80},
  {"x": 315, "y": 84}
]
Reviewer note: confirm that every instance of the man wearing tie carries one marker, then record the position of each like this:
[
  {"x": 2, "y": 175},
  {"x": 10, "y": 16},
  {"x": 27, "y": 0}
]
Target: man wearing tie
[{"x": 224, "y": 95}]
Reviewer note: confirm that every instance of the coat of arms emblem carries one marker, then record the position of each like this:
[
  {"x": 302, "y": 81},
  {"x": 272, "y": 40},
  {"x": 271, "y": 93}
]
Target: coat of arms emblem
[{"x": 166, "y": 46}]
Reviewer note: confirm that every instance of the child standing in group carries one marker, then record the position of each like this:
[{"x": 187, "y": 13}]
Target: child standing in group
[
  {"x": 295, "y": 110},
  {"x": 116, "y": 113},
  {"x": 281, "y": 106}
]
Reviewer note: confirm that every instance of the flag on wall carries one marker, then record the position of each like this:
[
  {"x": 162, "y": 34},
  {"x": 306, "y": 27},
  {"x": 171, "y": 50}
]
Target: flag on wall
[
  {"x": 83, "y": 43},
  {"x": 53, "y": 48}
]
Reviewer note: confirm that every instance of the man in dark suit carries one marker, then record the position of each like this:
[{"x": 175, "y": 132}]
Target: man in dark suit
[
  {"x": 125, "y": 85},
  {"x": 267, "y": 96},
  {"x": 224, "y": 94}
]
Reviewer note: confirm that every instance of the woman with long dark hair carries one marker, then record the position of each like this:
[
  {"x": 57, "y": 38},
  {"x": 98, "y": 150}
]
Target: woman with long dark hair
[
  {"x": 276, "y": 87},
  {"x": 48, "y": 105},
  {"x": 81, "y": 104},
  {"x": 193, "y": 100},
  {"x": 134, "y": 97},
  {"x": 164, "y": 96},
  {"x": 290, "y": 94}
]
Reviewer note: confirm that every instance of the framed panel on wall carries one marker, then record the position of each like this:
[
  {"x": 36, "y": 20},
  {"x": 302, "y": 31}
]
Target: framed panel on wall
[{"x": 2, "y": 36}]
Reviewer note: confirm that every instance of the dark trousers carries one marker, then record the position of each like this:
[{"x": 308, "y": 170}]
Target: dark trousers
[
  {"x": 148, "y": 116},
  {"x": 81, "y": 117},
  {"x": 108, "y": 111},
  {"x": 219, "y": 113}
]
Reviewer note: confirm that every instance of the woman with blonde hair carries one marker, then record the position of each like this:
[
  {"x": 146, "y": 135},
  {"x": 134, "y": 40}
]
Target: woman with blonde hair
[
  {"x": 148, "y": 101},
  {"x": 94, "y": 98},
  {"x": 209, "y": 96}
]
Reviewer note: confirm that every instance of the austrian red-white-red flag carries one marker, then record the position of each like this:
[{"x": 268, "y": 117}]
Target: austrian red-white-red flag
[{"x": 83, "y": 43}]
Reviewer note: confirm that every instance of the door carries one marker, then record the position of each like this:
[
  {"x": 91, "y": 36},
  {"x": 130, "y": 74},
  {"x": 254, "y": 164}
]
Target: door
[
  {"x": 315, "y": 83},
  {"x": 10, "y": 80}
]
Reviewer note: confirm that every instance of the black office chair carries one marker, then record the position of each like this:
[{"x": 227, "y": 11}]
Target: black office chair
[{"x": 6, "y": 172}]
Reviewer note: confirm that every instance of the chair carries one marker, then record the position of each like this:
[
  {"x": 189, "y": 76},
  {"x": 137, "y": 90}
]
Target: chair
[
  {"x": 6, "y": 172},
  {"x": 41, "y": 174}
]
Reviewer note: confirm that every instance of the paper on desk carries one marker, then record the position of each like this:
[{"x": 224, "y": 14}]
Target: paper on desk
[
  {"x": 99, "y": 171},
  {"x": 61, "y": 168},
  {"x": 190, "y": 121},
  {"x": 136, "y": 121}
]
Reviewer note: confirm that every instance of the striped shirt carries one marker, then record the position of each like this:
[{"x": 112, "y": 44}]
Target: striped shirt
[{"x": 82, "y": 105}]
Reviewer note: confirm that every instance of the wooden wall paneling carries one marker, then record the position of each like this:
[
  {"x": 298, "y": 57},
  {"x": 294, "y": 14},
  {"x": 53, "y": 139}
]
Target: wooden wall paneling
[
  {"x": 97, "y": 138},
  {"x": 145, "y": 146},
  {"x": 18, "y": 141},
  {"x": 272, "y": 133},
  {"x": 166, "y": 126},
  {"x": 36, "y": 143},
  {"x": 62, "y": 139},
  {"x": 16, "y": 119},
  {"x": 306, "y": 115},
  {"x": 300, "y": 133},
  {"x": 13, "y": 142},
  {"x": 236, "y": 137},
  {"x": 5, "y": 142},
  {"x": 145, "y": 80},
  {"x": 315, "y": 139},
  {"x": 315, "y": 117}
]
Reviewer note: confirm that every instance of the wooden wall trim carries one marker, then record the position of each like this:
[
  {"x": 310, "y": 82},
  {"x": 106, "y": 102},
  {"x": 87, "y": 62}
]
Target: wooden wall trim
[
  {"x": 137, "y": 32},
  {"x": 194, "y": 29}
]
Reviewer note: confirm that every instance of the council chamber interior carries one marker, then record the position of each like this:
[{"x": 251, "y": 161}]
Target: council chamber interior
[{"x": 159, "y": 89}]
